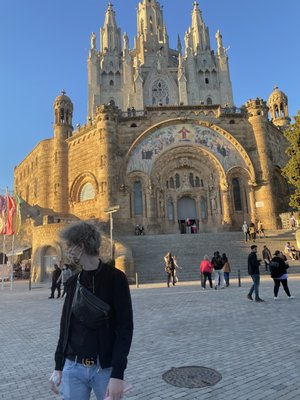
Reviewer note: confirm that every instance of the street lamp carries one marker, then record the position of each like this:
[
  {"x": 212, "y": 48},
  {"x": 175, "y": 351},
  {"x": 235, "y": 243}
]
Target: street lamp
[{"x": 110, "y": 211}]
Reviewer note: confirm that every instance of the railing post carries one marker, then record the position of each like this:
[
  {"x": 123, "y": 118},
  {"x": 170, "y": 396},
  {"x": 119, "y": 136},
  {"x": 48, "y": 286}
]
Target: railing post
[
  {"x": 239, "y": 277},
  {"x": 136, "y": 280}
]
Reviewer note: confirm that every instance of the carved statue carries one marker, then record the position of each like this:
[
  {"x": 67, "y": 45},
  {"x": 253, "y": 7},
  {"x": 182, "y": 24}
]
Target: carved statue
[{"x": 93, "y": 40}]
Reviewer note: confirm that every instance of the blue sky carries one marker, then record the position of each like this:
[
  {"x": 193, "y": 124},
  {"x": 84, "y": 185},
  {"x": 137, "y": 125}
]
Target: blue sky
[{"x": 44, "y": 47}]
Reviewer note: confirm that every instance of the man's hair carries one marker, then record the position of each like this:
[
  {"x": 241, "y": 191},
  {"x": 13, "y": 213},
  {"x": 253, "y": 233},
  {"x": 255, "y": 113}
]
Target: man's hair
[
  {"x": 277, "y": 253},
  {"x": 82, "y": 233},
  {"x": 206, "y": 257},
  {"x": 253, "y": 247}
]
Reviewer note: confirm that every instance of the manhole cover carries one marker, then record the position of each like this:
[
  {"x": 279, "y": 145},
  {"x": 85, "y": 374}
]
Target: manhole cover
[{"x": 192, "y": 377}]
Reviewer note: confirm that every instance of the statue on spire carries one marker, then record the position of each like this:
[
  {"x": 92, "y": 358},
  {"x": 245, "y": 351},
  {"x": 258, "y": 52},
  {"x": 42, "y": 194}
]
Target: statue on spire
[{"x": 93, "y": 40}]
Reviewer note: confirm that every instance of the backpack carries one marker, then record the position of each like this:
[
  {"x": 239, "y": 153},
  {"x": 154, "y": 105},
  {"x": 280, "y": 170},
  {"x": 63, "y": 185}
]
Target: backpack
[{"x": 275, "y": 269}]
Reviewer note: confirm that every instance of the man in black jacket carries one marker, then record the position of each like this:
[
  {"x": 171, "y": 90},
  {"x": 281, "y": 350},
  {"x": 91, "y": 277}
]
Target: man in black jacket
[
  {"x": 55, "y": 283},
  {"x": 93, "y": 359},
  {"x": 253, "y": 271}
]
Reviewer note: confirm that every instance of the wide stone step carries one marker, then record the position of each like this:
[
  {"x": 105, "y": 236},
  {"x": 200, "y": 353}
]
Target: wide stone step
[{"x": 149, "y": 252}]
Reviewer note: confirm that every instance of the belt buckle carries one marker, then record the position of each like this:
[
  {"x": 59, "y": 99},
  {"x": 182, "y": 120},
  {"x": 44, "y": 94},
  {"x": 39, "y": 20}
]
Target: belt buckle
[{"x": 88, "y": 362}]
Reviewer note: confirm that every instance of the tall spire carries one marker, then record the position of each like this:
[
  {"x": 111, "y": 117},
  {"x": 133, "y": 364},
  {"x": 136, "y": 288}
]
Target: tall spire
[
  {"x": 151, "y": 29},
  {"x": 199, "y": 32},
  {"x": 110, "y": 34}
]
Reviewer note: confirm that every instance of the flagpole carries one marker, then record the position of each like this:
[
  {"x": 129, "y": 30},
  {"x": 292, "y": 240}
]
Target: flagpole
[
  {"x": 12, "y": 263},
  {"x": 3, "y": 261}
]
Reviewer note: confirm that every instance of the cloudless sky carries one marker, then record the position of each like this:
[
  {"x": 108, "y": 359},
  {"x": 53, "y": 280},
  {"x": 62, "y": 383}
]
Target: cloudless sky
[{"x": 44, "y": 46}]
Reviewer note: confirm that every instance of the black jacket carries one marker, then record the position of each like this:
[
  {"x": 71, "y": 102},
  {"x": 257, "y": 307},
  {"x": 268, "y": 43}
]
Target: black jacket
[
  {"x": 111, "y": 286},
  {"x": 281, "y": 269},
  {"x": 253, "y": 264}
]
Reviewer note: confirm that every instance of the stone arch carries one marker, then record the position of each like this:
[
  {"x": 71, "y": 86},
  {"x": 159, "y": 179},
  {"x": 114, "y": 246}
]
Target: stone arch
[
  {"x": 177, "y": 121},
  {"x": 43, "y": 260},
  {"x": 246, "y": 210},
  {"x": 79, "y": 182}
]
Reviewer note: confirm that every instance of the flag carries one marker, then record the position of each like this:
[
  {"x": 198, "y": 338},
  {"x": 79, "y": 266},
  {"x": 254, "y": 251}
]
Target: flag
[
  {"x": 18, "y": 220},
  {"x": 11, "y": 209},
  {"x": 3, "y": 203}
]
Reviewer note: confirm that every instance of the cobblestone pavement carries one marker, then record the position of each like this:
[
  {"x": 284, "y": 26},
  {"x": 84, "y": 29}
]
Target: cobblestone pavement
[{"x": 255, "y": 346}]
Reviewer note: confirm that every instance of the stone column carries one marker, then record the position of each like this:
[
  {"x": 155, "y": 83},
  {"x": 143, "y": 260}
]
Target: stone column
[{"x": 227, "y": 220}]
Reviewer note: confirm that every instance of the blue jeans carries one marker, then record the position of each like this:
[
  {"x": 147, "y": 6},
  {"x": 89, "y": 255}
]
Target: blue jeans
[
  {"x": 78, "y": 381},
  {"x": 255, "y": 286}
]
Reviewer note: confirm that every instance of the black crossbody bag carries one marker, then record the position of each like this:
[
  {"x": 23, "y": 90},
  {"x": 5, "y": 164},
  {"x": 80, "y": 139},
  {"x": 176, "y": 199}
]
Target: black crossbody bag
[{"x": 89, "y": 309}]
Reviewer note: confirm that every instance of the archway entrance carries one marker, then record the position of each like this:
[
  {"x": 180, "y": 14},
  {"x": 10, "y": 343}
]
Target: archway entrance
[
  {"x": 187, "y": 215},
  {"x": 50, "y": 258}
]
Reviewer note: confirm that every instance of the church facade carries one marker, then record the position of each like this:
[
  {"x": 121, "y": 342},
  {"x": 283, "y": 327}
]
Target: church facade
[{"x": 164, "y": 140}]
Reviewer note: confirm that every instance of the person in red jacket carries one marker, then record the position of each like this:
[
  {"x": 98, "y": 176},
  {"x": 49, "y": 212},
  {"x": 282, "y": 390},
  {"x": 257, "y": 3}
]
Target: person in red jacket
[{"x": 206, "y": 268}]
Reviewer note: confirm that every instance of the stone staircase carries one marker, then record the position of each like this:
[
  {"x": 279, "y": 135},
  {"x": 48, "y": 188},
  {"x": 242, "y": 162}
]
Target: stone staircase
[{"x": 148, "y": 252}]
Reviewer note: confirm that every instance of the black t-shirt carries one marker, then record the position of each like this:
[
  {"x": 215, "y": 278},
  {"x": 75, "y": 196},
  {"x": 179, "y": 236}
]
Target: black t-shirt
[{"x": 83, "y": 342}]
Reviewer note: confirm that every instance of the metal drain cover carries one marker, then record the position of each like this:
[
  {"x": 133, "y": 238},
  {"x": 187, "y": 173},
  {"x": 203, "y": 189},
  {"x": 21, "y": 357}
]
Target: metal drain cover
[{"x": 192, "y": 377}]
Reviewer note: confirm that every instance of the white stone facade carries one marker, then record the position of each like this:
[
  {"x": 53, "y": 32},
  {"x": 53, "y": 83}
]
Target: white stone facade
[{"x": 153, "y": 74}]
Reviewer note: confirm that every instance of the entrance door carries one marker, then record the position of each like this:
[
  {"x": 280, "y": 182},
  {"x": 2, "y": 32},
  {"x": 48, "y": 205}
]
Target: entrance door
[
  {"x": 50, "y": 258},
  {"x": 187, "y": 214}
]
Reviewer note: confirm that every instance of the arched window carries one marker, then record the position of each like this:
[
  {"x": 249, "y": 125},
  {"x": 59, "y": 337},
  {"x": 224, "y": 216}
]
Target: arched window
[
  {"x": 138, "y": 199},
  {"x": 172, "y": 183},
  {"x": 170, "y": 210},
  {"x": 177, "y": 181},
  {"x": 111, "y": 83},
  {"x": 209, "y": 101},
  {"x": 87, "y": 192},
  {"x": 191, "y": 179},
  {"x": 197, "y": 181},
  {"x": 160, "y": 93},
  {"x": 237, "y": 194}
]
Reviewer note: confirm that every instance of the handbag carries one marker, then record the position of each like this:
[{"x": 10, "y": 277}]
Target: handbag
[{"x": 89, "y": 309}]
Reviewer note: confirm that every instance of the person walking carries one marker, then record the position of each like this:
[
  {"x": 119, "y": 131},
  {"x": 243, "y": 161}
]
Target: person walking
[
  {"x": 170, "y": 269},
  {"x": 252, "y": 231},
  {"x": 266, "y": 255},
  {"x": 253, "y": 271},
  {"x": 279, "y": 274},
  {"x": 218, "y": 268},
  {"x": 92, "y": 351},
  {"x": 260, "y": 229},
  {"x": 55, "y": 283},
  {"x": 245, "y": 230},
  {"x": 226, "y": 269},
  {"x": 206, "y": 268},
  {"x": 176, "y": 267},
  {"x": 66, "y": 273}
]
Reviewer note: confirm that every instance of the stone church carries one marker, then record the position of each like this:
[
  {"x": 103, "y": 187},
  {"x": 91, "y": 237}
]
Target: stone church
[{"x": 164, "y": 141}]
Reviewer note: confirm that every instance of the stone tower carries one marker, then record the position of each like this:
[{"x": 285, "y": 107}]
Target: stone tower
[
  {"x": 152, "y": 73},
  {"x": 265, "y": 206},
  {"x": 63, "y": 111},
  {"x": 278, "y": 106}
]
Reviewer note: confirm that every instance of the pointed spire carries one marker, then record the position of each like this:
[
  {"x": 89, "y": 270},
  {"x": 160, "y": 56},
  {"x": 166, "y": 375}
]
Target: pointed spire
[
  {"x": 200, "y": 36},
  {"x": 179, "y": 46},
  {"x": 110, "y": 33},
  {"x": 125, "y": 41}
]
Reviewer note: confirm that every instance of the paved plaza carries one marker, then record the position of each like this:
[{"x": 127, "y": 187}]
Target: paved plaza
[{"x": 254, "y": 346}]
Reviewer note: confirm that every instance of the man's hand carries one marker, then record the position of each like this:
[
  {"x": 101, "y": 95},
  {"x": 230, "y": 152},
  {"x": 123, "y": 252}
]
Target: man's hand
[
  {"x": 58, "y": 377},
  {"x": 115, "y": 389}
]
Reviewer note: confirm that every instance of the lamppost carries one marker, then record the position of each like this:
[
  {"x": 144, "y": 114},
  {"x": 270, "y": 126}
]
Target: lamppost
[{"x": 110, "y": 211}]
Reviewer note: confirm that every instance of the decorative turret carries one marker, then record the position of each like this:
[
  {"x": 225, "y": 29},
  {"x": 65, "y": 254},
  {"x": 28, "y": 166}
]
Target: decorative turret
[
  {"x": 278, "y": 105},
  {"x": 63, "y": 112}
]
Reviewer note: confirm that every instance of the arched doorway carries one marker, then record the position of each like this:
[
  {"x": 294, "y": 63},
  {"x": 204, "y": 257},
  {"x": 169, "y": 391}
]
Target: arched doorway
[
  {"x": 50, "y": 258},
  {"x": 187, "y": 214}
]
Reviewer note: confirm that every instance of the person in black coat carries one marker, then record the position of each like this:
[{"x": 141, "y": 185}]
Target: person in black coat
[
  {"x": 253, "y": 271},
  {"x": 93, "y": 358},
  {"x": 55, "y": 283},
  {"x": 278, "y": 269}
]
